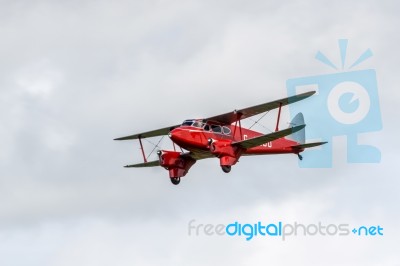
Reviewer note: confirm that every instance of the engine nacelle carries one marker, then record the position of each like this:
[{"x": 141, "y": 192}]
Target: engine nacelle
[
  {"x": 177, "y": 165},
  {"x": 223, "y": 149}
]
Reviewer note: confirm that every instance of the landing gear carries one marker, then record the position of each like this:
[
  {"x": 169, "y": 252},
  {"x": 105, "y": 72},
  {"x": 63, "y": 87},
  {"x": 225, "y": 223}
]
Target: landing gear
[
  {"x": 175, "y": 180},
  {"x": 226, "y": 168},
  {"x": 300, "y": 157}
]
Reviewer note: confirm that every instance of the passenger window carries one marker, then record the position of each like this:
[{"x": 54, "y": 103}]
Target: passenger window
[
  {"x": 226, "y": 130},
  {"x": 206, "y": 127},
  {"x": 216, "y": 128}
]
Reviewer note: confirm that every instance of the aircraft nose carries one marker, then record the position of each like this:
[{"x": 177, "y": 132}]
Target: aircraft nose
[
  {"x": 175, "y": 134},
  {"x": 172, "y": 134}
]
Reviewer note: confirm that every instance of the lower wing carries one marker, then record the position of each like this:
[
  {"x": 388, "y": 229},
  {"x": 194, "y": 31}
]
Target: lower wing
[
  {"x": 257, "y": 141},
  {"x": 195, "y": 155}
]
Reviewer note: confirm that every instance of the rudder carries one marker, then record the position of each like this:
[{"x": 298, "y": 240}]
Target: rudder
[{"x": 299, "y": 136}]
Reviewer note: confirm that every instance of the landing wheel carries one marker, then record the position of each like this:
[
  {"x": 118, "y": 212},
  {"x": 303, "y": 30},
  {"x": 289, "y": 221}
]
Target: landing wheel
[
  {"x": 175, "y": 180},
  {"x": 300, "y": 157},
  {"x": 226, "y": 168}
]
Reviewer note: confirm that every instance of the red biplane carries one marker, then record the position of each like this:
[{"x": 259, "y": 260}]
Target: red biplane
[{"x": 222, "y": 136}]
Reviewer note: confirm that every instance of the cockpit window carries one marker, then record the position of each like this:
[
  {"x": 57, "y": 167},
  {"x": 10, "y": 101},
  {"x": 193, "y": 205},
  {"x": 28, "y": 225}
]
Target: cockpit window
[
  {"x": 216, "y": 128},
  {"x": 207, "y": 127},
  {"x": 226, "y": 130},
  {"x": 187, "y": 123}
]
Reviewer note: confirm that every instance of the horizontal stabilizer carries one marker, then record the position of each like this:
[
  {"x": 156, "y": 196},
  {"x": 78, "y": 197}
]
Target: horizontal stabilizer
[
  {"x": 309, "y": 145},
  {"x": 147, "y": 164},
  {"x": 257, "y": 141}
]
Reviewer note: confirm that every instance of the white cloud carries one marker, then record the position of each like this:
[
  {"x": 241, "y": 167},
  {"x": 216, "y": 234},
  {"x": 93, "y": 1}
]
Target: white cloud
[{"x": 39, "y": 79}]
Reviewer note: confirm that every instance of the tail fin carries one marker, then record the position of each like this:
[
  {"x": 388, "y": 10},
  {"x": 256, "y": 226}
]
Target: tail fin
[{"x": 299, "y": 136}]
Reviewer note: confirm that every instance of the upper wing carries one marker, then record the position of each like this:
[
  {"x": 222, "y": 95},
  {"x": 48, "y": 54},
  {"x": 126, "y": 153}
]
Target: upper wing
[
  {"x": 257, "y": 141},
  {"x": 148, "y": 134},
  {"x": 236, "y": 115},
  {"x": 228, "y": 118}
]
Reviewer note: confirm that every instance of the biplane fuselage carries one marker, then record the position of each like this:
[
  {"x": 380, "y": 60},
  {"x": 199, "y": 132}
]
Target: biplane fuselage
[
  {"x": 223, "y": 137},
  {"x": 196, "y": 138}
]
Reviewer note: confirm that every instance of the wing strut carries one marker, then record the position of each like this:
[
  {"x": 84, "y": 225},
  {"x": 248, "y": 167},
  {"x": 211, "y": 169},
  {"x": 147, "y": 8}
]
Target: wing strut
[
  {"x": 173, "y": 143},
  {"x": 240, "y": 129},
  {"x": 239, "y": 114},
  {"x": 279, "y": 117},
  {"x": 141, "y": 147}
]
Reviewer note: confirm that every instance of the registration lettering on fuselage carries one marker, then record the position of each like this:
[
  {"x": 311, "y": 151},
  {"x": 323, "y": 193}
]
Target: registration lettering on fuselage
[{"x": 268, "y": 144}]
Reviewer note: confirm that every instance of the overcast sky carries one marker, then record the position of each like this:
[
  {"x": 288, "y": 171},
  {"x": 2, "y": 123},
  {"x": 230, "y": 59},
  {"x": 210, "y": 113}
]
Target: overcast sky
[{"x": 76, "y": 74}]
